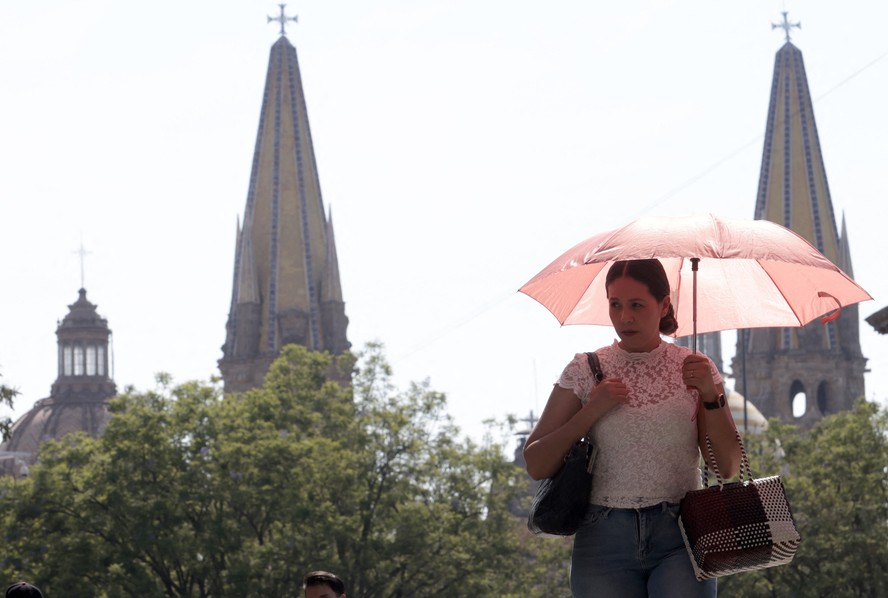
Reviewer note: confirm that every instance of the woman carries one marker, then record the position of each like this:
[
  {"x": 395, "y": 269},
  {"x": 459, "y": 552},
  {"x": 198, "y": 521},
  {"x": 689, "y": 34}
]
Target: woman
[{"x": 649, "y": 418}]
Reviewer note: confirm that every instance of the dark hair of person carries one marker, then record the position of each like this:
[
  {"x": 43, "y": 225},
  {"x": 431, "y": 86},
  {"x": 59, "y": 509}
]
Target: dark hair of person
[
  {"x": 23, "y": 589},
  {"x": 651, "y": 274},
  {"x": 319, "y": 578}
]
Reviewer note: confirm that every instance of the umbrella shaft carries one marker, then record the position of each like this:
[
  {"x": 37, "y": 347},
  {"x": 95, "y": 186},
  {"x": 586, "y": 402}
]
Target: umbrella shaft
[{"x": 695, "y": 263}]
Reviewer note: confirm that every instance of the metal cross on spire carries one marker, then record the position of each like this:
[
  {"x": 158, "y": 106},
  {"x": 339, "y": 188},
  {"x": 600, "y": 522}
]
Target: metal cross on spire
[
  {"x": 82, "y": 252},
  {"x": 282, "y": 19},
  {"x": 786, "y": 25}
]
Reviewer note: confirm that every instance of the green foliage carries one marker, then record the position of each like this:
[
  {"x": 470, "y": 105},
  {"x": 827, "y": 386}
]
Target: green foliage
[
  {"x": 192, "y": 493},
  {"x": 836, "y": 477},
  {"x": 7, "y": 395}
]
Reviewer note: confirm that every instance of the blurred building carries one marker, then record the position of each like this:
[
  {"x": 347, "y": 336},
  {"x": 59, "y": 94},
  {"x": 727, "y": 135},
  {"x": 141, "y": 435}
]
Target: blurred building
[
  {"x": 708, "y": 343},
  {"x": 286, "y": 285},
  {"x": 821, "y": 362},
  {"x": 78, "y": 399},
  {"x": 879, "y": 320},
  {"x": 746, "y": 416}
]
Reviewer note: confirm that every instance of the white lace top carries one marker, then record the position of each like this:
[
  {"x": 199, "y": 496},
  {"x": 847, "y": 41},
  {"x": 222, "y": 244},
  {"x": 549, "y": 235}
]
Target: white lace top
[{"x": 647, "y": 448}]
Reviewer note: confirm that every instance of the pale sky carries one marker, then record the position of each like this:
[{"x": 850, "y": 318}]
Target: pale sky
[{"x": 462, "y": 146}]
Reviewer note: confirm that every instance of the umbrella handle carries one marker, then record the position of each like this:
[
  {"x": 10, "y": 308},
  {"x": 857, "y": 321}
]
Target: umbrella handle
[{"x": 830, "y": 317}]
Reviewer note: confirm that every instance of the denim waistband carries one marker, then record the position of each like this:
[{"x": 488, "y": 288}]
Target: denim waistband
[{"x": 662, "y": 506}]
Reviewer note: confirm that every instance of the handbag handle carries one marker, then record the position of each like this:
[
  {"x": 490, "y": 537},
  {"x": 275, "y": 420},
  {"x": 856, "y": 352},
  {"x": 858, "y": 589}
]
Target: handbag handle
[
  {"x": 595, "y": 366},
  {"x": 598, "y": 375},
  {"x": 744, "y": 463}
]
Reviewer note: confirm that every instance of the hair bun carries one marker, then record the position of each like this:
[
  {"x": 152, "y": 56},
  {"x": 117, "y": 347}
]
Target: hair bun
[{"x": 668, "y": 323}]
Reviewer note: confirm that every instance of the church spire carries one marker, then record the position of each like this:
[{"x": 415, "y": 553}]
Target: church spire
[
  {"x": 331, "y": 287},
  {"x": 793, "y": 189},
  {"x": 800, "y": 374},
  {"x": 285, "y": 259}
]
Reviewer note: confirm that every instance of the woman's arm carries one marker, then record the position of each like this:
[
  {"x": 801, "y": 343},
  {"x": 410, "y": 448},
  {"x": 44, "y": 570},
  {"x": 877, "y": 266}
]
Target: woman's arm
[
  {"x": 718, "y": 423},
  {"x": 564, "y": 421}
]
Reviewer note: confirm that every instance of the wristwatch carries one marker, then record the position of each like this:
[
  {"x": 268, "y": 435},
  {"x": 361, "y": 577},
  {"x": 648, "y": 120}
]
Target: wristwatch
[{"x": 716, "y": 404}]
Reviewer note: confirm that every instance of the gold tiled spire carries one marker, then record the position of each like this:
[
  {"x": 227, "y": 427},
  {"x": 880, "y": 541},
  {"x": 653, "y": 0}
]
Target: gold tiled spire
[
  {"x": 793, "y": 189},
  {"x": 821, "y": 362},
  {"x": 286, "y": 270}
]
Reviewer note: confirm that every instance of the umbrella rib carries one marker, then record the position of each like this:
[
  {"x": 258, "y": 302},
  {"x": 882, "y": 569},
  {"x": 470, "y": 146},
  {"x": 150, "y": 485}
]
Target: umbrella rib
[
  {"x": 581, "y": 295},
  {"x": 782, "y": 294}
]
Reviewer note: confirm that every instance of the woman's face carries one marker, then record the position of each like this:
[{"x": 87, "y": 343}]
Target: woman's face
[{"x": 635, "y": 314}]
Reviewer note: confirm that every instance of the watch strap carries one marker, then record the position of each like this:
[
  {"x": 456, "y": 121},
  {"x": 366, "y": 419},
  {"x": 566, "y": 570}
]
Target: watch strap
[{"x": 716, "y": 404}]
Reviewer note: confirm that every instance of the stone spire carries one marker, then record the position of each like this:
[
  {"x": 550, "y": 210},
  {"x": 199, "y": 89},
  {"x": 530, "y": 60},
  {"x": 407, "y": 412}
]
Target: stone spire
[
  {"x": 822, "y": 361},
  {"x": 286, "y": 285}
]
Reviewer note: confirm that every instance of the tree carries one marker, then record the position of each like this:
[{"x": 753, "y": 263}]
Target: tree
[
  {"x": 7, "y": 395},
  {"x": 836, "y": 478},
  {"x": 192, "y": 493}
]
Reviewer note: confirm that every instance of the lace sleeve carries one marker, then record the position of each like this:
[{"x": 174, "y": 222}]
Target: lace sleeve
[{"x": 577, "y": 376}]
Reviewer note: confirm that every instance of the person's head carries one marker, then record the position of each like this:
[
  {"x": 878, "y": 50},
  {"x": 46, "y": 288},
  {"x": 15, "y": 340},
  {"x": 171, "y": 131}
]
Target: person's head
[
  {"x": 323, "y": 584},
  {"x": 23, "y": 589},
  {"x": 640, "y": 308}
]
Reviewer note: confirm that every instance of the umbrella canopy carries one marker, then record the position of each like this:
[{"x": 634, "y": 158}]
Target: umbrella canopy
[{"x": 752, "y": 274}]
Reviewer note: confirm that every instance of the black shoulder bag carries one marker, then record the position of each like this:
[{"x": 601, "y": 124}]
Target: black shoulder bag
[{"x": 561, "y": 501}]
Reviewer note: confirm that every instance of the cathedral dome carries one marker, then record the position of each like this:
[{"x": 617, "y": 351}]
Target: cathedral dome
[
  {"x": 78, "y": 400},
  {"x": 755, "y": 421}
]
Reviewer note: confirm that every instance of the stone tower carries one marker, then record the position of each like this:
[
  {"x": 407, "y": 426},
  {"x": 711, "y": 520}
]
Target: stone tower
[
  {"x": 822, "y": 362},
  {"x": 78, "y": 399},
  {"x": 286, "y": 274}
]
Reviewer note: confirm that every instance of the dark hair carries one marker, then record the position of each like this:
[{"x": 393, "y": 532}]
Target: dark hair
[
  {"x": 23, "y": 589},
  {"x": 651, "y": 274},
  {"x": 319, "y": 578}
]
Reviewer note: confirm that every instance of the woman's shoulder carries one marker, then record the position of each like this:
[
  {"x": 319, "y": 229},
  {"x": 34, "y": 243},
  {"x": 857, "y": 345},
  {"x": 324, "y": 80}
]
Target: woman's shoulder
[{"x": 584, "y": 356}]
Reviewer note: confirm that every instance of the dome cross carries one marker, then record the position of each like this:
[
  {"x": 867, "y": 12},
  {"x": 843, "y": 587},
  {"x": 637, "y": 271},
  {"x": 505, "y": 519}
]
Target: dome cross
[{"x": 82, "y": 252}]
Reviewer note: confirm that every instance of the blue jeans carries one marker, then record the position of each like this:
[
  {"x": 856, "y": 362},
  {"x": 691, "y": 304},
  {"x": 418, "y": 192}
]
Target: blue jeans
[{"x": 634, "y": 553}]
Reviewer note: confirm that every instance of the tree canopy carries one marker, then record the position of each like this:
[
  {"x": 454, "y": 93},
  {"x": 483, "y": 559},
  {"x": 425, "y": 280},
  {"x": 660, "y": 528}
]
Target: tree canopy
[
  {"x": 190, "y": 492},
  {"x": 836, "y": 478}
]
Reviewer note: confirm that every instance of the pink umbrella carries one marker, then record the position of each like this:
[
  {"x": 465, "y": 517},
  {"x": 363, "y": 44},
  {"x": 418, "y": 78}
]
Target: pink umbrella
[{"x": 752, "y": 274}]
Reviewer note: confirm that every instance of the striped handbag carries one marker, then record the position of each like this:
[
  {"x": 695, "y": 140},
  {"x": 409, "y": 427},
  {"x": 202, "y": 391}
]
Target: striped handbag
[{"x": 739, "y": 526}]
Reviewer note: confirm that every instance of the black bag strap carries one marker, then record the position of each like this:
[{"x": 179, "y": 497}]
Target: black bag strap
[
  {"x": 595, "y": 366},
  {"x": 598, "y": 374}
]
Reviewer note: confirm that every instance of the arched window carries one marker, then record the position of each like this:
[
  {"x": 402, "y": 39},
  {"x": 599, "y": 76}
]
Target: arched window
[
  {"x": 78, "y": 360},
  {"x": 90, "y": 360},
  {"x": 799, "y": 399},
  {"x": 822, "y": 398},
  {"x": 67, "y": 361},
  {"x": 100, "y": 360}
]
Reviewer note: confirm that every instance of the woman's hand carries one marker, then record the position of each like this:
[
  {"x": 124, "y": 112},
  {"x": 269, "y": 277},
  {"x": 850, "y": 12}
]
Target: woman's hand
[
  {"x": 564, "y": 421},
  {"x": 609, "y": 393},
  {"x": 696, "y": 373}
]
